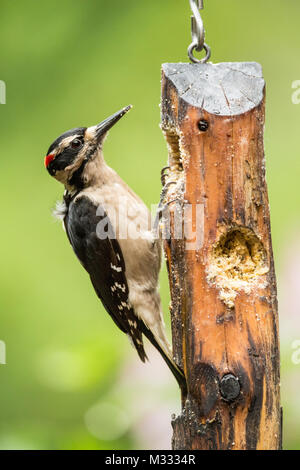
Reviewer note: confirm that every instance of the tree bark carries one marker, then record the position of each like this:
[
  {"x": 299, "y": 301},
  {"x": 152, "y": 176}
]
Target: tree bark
[{"x": 222, "y": 280}]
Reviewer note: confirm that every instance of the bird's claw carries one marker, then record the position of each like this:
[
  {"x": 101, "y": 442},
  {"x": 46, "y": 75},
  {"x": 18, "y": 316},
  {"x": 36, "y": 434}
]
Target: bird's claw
[
  {"x": 161, "y": 206},
  {"x": 163, "y": 175}
]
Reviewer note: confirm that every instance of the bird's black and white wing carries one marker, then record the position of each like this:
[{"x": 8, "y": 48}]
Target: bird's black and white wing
[{"x": 103, "y": 260}]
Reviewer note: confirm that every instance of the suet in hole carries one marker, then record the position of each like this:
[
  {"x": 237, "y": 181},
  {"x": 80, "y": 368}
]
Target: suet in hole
[
  {"x": 174, "y": 176},
  {"x": 237, "y": 263},
  {"x": 175, "y": 160}
]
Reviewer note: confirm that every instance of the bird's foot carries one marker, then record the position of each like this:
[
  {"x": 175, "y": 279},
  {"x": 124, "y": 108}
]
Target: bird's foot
[
  {"x": 164, "y": 176},
  {"x": 162, "y": 206}
]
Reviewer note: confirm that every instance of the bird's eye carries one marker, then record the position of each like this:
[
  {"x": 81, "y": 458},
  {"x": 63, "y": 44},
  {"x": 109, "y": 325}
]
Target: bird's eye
[{"x": 76, "y": 143}]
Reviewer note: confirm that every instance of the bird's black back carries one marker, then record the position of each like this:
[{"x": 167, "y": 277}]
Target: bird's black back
[{"x": 104, "y": 262}]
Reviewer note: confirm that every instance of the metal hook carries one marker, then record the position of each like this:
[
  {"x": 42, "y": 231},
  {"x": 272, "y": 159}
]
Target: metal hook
[{"x": 198, "y": 33}]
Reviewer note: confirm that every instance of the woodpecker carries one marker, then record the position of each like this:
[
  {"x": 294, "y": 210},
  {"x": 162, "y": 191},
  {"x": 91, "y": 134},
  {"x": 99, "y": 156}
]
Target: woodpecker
[{"x": 124, "y": 270}]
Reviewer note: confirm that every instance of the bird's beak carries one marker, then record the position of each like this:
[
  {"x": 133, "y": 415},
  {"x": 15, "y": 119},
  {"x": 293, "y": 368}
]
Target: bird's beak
[{"x": 104, "y": 126}]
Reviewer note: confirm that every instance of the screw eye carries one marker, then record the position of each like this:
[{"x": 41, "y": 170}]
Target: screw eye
[
  {"x": 203, "y": 125},
  {"x": 76, "y": 143}
]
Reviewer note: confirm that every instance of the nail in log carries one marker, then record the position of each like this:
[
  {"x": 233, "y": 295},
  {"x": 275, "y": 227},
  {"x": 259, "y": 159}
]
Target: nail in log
[{"x": 221, "y": 273}]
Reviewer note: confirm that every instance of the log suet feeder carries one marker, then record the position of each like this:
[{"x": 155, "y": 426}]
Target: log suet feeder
[{"x": 223, "y": 292}]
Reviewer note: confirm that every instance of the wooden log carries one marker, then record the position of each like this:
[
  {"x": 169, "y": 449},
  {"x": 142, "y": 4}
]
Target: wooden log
[{"x": 223, "y": 291}]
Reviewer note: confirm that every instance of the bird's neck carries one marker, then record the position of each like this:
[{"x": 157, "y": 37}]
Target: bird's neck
[{"x": 87, "y": 173}]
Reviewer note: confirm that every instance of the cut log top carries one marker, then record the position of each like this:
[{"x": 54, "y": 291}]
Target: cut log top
[{"x": 225, "y": 89}]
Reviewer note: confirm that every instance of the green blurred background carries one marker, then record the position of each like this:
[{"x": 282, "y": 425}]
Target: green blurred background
[{"x": 72, "y": 380}]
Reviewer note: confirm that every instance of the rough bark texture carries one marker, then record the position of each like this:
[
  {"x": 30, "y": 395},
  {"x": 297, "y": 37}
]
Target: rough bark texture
[{"x": 224, "y": 305}]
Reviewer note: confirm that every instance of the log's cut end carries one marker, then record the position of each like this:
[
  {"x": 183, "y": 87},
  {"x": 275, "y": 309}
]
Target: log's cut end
[
  {"x": 225, "y": 89},
  {"x": 223, "y": 286}
]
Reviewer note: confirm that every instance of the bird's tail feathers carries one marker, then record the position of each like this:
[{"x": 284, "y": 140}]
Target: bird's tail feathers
[
  {"x": 139, "y": 346},
  {"x": 165, "y": 350}
]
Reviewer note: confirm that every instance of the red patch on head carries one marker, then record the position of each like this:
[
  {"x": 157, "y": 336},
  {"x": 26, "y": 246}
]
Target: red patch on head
[{"x": 48, "y": 159}]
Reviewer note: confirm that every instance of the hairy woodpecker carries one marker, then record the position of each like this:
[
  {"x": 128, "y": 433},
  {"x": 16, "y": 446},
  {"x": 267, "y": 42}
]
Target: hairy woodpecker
[{"x": 97, "y": 207}]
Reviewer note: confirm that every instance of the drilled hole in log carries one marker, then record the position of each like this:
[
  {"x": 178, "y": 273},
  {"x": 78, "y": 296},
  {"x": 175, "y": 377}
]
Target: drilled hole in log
[
  {"x": 237, "y": 263},
  {"x": 175, "y": 157}
]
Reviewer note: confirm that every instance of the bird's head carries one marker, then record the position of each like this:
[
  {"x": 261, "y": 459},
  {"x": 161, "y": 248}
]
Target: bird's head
[{"x": 69, "y": 154}]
